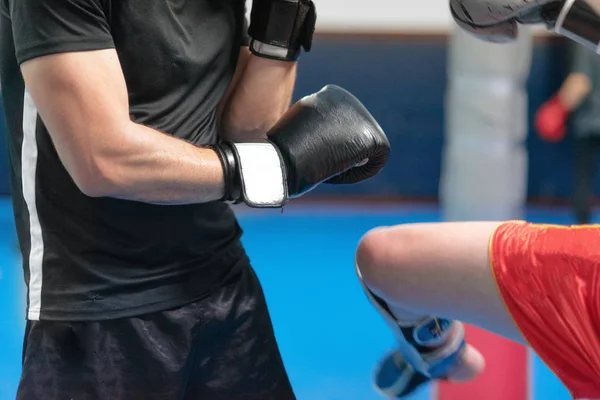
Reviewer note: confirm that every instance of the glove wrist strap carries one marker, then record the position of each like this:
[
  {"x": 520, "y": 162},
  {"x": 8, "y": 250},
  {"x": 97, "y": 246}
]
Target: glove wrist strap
[
  {"x": 579, "y": 20},
  {"x": 230, "y": 176},
  {"x": 254, "y": 173}
]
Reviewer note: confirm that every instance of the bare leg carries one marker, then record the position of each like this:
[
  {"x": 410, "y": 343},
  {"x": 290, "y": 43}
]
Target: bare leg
[{"x": 439, "y": 269}]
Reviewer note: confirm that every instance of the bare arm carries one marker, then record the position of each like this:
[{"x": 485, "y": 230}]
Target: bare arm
[
  {"x": 574, "y": 90},
  {"x": 82, "y": 99},
  {"x": 242, "y": 63},
  {"x": 259, "y": 94}
]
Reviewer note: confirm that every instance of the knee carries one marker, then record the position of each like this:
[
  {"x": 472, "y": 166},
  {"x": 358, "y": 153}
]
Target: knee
[{"x": 382, "y": 257}]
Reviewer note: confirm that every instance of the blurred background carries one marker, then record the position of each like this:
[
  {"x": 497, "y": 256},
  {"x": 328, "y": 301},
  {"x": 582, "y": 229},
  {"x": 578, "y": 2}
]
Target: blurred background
[{"x": 460, "y": 117}]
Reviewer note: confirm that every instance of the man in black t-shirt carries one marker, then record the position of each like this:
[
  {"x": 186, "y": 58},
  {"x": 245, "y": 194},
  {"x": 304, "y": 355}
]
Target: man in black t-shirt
[{"x": 131, "y": 124}]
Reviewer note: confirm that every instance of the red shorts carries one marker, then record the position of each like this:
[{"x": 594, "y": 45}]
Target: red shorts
[{"x": 549, "y": 278}]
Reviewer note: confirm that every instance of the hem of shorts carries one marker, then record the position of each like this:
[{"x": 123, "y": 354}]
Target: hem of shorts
[
  {"x": 502, "y": 289},
  {"x": 130, "y": 312},
  {"x": 498, "y": 283}
]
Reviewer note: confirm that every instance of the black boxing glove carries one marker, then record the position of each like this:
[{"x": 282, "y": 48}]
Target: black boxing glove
[
  {"x": 328, "y": 137},
  {"x": 496, "y": 20},
  {"x": 280, "y": 29}
]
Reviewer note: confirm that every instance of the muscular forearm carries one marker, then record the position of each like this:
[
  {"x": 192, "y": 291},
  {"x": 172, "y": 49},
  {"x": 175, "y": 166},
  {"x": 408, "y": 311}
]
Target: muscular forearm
[
  {"x": 260, "y": 98},
  {"x": 152, "y": 167},
  {"x": 574, "y": 90}
]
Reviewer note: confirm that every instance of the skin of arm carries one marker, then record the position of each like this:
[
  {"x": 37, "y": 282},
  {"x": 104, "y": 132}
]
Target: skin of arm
[
  {"x": 259, "y": 94},
  {"x": 82, "y": 99},
  {"x": 574, "y": 90}
]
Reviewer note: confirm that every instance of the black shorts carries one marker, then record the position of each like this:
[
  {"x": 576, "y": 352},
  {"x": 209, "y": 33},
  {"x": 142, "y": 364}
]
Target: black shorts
[{"x": 220, "y": 347}]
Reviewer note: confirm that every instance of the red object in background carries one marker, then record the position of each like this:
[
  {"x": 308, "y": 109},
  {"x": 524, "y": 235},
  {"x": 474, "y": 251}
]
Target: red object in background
[
  {"x": 551, "y": 119},
  {"x": 506, "y": 373}
]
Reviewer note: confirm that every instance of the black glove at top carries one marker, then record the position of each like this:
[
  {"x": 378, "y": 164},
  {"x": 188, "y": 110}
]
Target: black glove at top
[{"x": 496, "y": 20}]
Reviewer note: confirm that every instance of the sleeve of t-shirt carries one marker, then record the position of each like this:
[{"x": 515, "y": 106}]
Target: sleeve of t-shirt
[
  {"x": 582, "y": 60},
  {"x": 44, "y": 27},
  {"x": 245, "y": 38}
]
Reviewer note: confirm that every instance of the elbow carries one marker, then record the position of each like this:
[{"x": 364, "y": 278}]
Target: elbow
[
  {"x": 94, "y": 187},
  {"x": 101, "y": 169},
  {"x": 95, "y": 180}
]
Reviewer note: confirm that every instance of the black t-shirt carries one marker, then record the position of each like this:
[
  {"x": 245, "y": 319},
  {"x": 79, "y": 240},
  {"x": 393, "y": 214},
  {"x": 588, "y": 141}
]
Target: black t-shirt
[{"x": 97, "y": 258}]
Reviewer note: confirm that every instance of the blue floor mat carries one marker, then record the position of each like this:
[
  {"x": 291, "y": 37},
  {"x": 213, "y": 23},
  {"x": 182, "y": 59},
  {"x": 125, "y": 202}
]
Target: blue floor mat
[{"x": 329, "y": 335}]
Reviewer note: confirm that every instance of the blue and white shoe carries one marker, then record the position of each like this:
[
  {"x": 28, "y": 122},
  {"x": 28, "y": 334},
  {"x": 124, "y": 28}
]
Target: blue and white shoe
[
  {"x": 426, "y": 350},
  {"x": 395, "y": 377}
]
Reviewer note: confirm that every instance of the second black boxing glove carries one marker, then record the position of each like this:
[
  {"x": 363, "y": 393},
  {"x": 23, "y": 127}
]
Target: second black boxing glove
[
  {"x": 497, "y": 20},
  {"x": 325, "y": 137}
]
